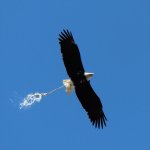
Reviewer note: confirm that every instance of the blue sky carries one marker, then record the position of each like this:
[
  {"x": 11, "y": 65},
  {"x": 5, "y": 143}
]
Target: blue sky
[{"x": 114, "y": 40}]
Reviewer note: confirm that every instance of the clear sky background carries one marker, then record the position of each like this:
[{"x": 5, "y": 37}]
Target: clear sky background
[{"x": 114, "y": 41}]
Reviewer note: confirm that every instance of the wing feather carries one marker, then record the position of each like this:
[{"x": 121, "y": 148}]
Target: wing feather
[
  {"x": 91, "y": 103},
  {"x": 71, "y": 57}
]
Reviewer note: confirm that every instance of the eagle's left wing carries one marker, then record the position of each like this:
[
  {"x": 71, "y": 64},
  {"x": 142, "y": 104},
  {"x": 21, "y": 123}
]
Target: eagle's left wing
[{"x": 91, "y": 103}]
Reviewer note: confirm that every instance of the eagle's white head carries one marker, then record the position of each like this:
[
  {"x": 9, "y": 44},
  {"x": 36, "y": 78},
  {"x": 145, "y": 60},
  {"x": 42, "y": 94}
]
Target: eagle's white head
[{"x": 88, "y": 75}]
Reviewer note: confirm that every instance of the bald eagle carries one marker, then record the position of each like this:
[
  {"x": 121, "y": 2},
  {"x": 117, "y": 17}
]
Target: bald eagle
[{"x": 80, "y": 80}]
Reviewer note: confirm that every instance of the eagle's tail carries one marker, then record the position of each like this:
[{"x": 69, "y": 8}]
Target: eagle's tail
[{"x": 68, "y": 85}]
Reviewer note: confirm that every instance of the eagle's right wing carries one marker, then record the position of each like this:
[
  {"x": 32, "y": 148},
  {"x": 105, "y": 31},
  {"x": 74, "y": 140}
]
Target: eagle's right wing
[{"x": 71, "y": 57}]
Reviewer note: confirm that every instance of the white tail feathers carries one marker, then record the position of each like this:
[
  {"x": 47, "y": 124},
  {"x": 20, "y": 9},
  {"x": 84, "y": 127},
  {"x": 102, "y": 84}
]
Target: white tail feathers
[{"x": 69, "y": 86}]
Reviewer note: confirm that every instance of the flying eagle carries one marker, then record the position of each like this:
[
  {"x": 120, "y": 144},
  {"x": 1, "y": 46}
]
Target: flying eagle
[{"x": 79, "y": 80}]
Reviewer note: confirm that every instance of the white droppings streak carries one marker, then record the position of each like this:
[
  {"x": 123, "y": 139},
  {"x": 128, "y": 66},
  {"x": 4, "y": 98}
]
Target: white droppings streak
[{"x": 35, "y": 97}]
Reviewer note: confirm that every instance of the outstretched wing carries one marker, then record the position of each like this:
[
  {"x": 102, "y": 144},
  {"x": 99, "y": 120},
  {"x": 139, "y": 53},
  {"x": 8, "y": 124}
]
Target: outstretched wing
[
  {"x": 71, "y": 57},
  {"x": 91, "y": 103},
  {"x": 86, "y": 95}
]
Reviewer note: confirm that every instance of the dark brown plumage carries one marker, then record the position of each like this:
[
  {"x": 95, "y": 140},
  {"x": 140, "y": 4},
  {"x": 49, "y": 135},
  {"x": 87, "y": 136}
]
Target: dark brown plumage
[{"x": 85, "y": 93}]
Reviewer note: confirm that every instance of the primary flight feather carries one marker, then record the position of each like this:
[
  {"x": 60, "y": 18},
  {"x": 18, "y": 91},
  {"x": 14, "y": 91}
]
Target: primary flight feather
[{"x": 85, "y": 93}]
